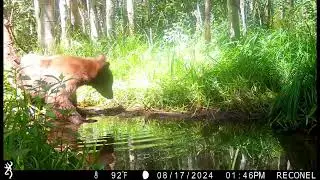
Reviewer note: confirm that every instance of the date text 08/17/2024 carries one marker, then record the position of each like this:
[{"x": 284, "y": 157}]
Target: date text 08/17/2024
[{"x": 166, "y": 175}]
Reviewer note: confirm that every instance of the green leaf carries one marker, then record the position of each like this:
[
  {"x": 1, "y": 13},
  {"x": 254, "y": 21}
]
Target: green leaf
[{"x": 51, "y": 114}]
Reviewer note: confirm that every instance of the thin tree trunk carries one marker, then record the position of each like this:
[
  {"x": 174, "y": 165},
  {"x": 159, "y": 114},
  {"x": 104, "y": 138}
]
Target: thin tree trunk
[
  {"x": 247, "y": 10},
  {"x": 224, "y": 10},
  {"x": 207, "y": 11},
  {"x": 252, "y": 11},
  {"x": 269, "y": 14},
  {"x": 93, "y": 19},
  {"x": 130, "y": 11},
  {"x": 10, "y": 57},
  {"x": 63, "y": 8},
  {"x": 292, "y": 4},
  {"x": 45, "y": 22},
  {"x": 100, "y": 13},
  {"x": 190, "y": 162},
  {"x": 243, "y": 16},
  {"x": 97, "y": 17},
  {"x": 110, "y": 4},
  {"x": 75, "y": 15},
  {"x": 38, "y": 20},
  {"x": 124, "y": 17},
  {"x": 197, "y": 14},
  {"x": 233, "y": 8},
  {"x": 146, "y": 20},
  {"x": 103, "y": 11},
  {"x": 283, "y": 9},
  {"x": 83, "y": 14},
  {"x": 260, "y": 13},
  {"x": 243, "y": 162},
  {"x": 255, "y": 11},
  {"x": 146, "y": 17}
]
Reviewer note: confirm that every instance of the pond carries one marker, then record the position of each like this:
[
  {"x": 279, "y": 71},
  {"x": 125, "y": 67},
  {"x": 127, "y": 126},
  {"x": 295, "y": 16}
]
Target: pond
[{"x": 138, "y": 144}]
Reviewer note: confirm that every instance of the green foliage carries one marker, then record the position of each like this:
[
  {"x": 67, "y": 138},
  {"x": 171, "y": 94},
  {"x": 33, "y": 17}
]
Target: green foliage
[
  {"x": 24, "y": 23},
  {"x": 181, "y": 72},
  {"x": 168, "y": 65},
  {"x": 302, "y": 16},
  {"x": 26, "y": 130},
  {"x": 296, "y": 104}
]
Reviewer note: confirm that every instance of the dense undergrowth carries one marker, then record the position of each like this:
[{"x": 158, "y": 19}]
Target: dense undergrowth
[
  {"x": 25, "y": 133},
  {"x": 270, "y": 71}
]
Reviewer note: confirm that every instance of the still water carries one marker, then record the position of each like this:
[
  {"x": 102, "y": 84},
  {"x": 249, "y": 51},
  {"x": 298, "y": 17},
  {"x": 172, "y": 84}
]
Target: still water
[{"x": 137, "y": 144}]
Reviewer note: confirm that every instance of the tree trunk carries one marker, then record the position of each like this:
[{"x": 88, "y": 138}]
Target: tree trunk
[
  {"x": 45, "y": 13},
  {"x": 10, "y": 58},
  {"x": 82, "y": 6},
  {"x": 100, "y": 12},
  {"x": 197, "y": 14},
  {"x": 93, "y": 19},
  {"x": 103, "y": 10},
  {"x": 243, "y": 162},
  {"x": 124, "y": 17},
  {"x": 98, "y": 18},
  {"x": 146, "y": 17},
  {"x": 255, "y": 11},
  {"x": 243, "y": 16},
  {"x": 207, "y": 11},
  {"x": 252, "y": 11},
  {"x": 233, "y": 8},
  {"x": 110, "y": 4},
  {"x": 130, "y": 11},
  {"x": 63, "y": 8},
  {"x": 283, "y": 9},
  {"x": 190, "y": 159},
  {"x": 38, "y": 19},
  {"x": 260, "y": 13},
  {"x": 75, "y": 15},
  {"x": 269, "y": 12},
  {"x": 225, "y": 8},
  {"x": 292, "y": 4}
]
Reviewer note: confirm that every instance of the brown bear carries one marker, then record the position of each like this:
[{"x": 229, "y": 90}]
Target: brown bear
[{"x": 56, "y": 79}]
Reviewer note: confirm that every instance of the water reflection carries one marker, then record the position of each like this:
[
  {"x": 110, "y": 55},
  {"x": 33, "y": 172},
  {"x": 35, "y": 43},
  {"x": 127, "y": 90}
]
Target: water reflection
[
  {"x": 102, "y": 156},
  {"x": 98, "y": 154},
  {"x": 187, "y": 145},
  {"x": 300, "y": 150}
]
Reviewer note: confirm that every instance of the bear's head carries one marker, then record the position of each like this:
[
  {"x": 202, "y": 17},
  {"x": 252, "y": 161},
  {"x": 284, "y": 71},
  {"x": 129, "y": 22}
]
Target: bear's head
[{"x": 104, "y": 80}]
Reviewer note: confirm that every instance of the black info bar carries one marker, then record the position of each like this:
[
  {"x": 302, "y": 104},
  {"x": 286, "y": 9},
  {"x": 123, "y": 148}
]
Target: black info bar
[{"x": 161, "y": 174}]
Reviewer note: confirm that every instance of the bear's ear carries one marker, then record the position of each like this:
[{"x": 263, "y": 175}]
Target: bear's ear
[
  {"x": 107, "y": 64},
  {"x": 102, "y": 61},
  {"x": 101, "y": 57}
]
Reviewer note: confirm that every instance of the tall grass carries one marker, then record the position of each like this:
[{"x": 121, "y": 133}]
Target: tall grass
[
  {"x": 268, "y": 71},
  {"x": 296, "y": 104}
]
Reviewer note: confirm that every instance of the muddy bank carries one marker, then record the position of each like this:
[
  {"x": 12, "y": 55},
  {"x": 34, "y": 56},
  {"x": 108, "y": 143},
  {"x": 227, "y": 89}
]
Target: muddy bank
[{"x": 208, "y": 114}]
